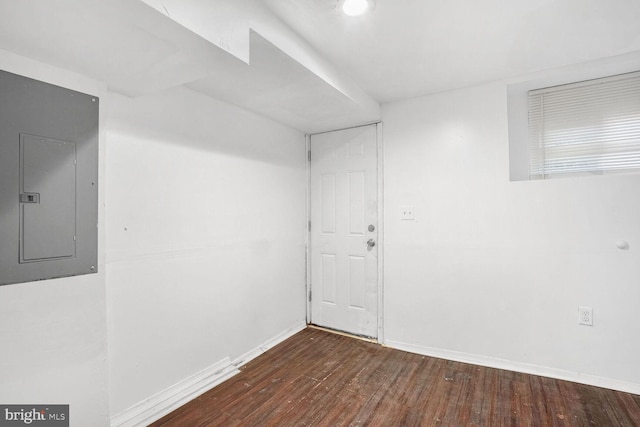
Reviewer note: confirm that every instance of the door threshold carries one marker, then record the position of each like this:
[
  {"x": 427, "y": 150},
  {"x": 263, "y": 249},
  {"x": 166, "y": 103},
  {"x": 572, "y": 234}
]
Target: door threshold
[{"x": 343, "y": 333}]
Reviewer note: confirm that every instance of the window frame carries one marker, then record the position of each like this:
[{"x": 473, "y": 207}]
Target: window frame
[
  {"x": 518, "y": 111},
  {"x": 570, "y": 136}
]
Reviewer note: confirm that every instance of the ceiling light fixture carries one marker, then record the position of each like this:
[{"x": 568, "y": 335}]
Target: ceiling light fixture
[{"x": 356, "y": 7}]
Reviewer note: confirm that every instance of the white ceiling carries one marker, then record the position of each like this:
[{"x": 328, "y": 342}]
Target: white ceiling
[
  {"x": 407, "y": 48},
  {"x": 309, "y": 66}
]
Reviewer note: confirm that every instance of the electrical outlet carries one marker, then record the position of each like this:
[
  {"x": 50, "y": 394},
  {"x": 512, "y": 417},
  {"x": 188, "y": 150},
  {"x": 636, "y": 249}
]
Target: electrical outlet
[
  {"x": 585, "y": 316},
  {"x": 406, "y": 213}
]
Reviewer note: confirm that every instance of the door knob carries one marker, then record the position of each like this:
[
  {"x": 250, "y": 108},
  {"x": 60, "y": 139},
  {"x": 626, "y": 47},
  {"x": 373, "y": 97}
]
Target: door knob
[{"x": 371, "y": 243}]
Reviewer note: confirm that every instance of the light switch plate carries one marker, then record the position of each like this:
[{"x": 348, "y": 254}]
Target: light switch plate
[{"x": 407, "y": 213}]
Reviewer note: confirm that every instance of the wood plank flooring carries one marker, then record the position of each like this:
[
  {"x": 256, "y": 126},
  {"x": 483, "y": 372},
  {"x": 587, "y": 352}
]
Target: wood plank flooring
[{"x": 317, "y": 378}]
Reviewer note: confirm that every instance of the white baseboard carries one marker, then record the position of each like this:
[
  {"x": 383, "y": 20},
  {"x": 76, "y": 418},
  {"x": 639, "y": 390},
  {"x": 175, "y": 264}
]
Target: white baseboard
[
  {"x": 160, "y": 404},
  {"x": 543, "y": 371},
  {"x": 252, "y": 354},
  {"x": 170, "y": 399}
]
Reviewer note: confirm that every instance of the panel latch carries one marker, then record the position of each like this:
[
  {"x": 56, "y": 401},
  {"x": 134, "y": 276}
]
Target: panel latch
[{"x": 30, "y": 198}]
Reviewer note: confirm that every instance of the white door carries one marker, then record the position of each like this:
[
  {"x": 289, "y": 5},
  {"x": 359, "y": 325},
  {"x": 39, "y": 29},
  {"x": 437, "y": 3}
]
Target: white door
[{"x": 344, "y": 230}]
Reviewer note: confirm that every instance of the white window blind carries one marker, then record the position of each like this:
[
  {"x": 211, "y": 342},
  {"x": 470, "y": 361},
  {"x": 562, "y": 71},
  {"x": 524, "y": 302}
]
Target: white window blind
[{"x": 586, "y": 127}]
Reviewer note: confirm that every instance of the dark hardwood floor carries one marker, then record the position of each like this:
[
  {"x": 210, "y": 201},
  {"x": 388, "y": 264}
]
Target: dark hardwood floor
[{"x": 317, "y": 378}]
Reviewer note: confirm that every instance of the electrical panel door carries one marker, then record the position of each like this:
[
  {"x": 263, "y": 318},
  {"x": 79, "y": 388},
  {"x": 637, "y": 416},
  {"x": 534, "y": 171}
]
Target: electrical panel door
[{"x": 47, "y": 198}]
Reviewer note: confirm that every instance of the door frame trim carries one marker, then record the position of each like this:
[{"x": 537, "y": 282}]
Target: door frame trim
[
  {"x": 307, "y": 247},
  {"x": 380, "y": 195},
  {"x": 380, "y": 154}
]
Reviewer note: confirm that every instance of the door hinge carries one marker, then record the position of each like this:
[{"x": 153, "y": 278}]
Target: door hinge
[
  {"x": 309, "y": 226},
  {"x": 309, "y": 295},
  {"x": 309, "y": 155}
]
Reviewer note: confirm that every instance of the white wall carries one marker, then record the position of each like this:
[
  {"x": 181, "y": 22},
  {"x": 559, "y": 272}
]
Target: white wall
[
  {"x": 205, "y": 237},
  {"x": 493, "y": 271},
  {"x": 53, "y": 332}
]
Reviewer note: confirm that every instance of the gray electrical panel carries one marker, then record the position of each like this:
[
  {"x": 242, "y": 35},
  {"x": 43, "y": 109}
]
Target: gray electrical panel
[{"x": 48, "y": 181}]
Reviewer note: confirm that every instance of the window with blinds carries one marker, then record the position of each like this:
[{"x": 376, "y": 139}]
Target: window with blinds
[{"x": 585, "y": 128}]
